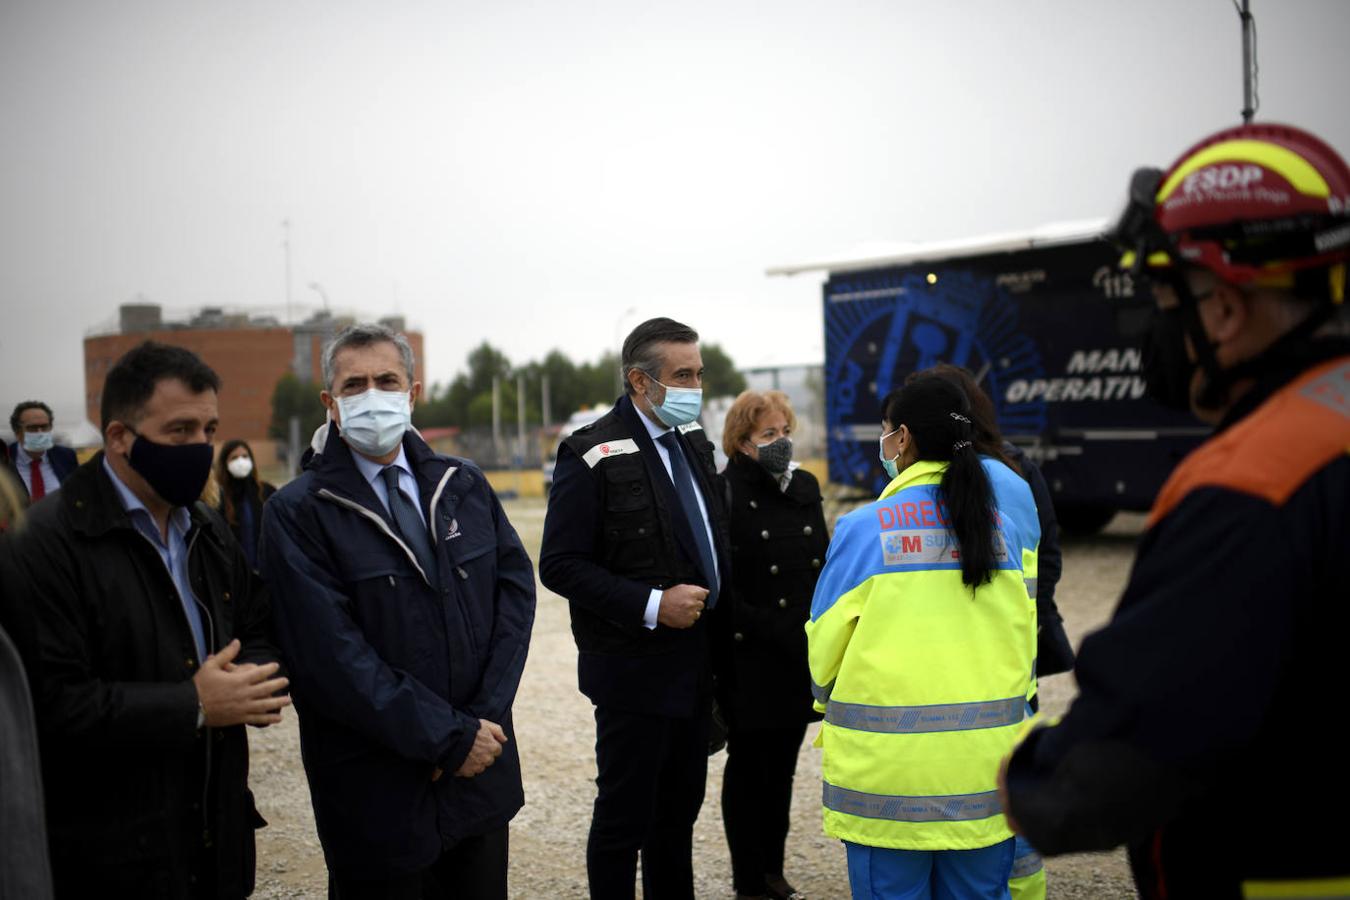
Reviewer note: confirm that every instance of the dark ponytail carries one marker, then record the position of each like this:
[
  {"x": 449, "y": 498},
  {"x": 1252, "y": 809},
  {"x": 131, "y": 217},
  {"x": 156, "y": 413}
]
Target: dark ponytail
[{"x": 937, "y": 414}]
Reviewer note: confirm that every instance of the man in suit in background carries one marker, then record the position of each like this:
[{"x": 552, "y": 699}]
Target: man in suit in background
[
  {"x": 635, "y": 539},
  {"x": 40, "y": 464}
]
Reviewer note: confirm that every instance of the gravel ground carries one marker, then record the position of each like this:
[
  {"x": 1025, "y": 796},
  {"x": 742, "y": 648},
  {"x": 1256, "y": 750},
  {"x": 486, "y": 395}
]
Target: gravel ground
[{"x": 555, "y": 730}]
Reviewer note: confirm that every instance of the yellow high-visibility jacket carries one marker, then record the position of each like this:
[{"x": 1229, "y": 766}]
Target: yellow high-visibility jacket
[{"x": 923, "y": 681}]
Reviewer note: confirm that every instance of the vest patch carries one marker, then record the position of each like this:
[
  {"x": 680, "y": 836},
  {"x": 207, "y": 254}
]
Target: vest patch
[
  {"x": 608, "y": 449},
  {"x": 691, "y": 426},
  {"x": 928, "y": 546}
]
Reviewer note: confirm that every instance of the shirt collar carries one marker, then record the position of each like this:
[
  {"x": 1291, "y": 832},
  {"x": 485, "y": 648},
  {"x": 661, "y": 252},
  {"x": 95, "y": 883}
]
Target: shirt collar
[
  {"x": 654, "y": 431},
  {"x": 21, "y": 456},
  {"x": 370, "y": 470},
  {"x": 178, "y": 516}
]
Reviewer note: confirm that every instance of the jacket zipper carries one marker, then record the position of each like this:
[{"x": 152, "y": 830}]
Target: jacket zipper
[
  {"x": 210, "y": 644},
  {"x": 382, "y": 525},
  {"x": 210, "y": 647}
]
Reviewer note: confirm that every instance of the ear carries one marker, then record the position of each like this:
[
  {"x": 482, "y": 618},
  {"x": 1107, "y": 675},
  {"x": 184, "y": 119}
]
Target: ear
[
  {"x": 331, "y": 405},
  {"x": 415, "y": 393},
  {"x": 637, "y": 379},
  {"x": 118, "y": 437},
  {"x": 1226, "y": 316}
]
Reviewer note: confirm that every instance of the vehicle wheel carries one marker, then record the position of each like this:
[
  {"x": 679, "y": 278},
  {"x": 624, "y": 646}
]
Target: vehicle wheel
[{"x": 1084, "y": 519}]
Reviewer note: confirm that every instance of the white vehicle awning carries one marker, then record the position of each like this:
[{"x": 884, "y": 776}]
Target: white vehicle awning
[{"x": 878, "y": 256}]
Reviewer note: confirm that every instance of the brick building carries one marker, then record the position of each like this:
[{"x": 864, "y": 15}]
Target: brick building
[{"x": 249, "y": 353}]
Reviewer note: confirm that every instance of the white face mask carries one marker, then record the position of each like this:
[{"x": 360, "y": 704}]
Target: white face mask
[
  {"x": 240, "y": 466},
  {"x": 892, "y": 465},
  {"x": 374, "y": 423},
  {"x": 38, "y": 441}
]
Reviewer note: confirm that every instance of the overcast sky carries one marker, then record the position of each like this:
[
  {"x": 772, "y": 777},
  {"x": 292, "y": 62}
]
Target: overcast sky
[{"x": 548, "y": 174}]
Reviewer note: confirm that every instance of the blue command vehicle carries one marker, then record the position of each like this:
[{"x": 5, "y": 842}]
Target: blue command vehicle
[{"x": 1050, "y": 326}]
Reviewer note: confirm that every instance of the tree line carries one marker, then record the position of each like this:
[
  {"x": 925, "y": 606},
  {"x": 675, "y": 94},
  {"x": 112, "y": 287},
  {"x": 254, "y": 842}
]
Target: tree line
[{"x": 466, "y": 401}]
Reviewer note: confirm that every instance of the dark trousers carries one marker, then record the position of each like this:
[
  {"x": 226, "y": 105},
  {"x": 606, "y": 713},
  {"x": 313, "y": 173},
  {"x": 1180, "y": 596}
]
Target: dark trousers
[
  {"x": 756, "y": 800},
  {"x": 473, "y": 869},
  {"x": 652, "y": 772}
]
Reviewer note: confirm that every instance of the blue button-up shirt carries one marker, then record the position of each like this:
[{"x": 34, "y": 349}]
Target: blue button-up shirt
[
  {"x": 370, "y": 470},
  {"x": 174, "y": 552}
]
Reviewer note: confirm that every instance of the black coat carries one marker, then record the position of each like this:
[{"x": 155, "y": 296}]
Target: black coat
[
  {"x": 778, "y": 541},
  {"x": 132, "y": 786},
  {"x": 612, "y": 535},
  {"x": 255, "y": 499},
  {"x": 1054, "y": 653},
  {"x": 25, "y": 870},
  {"x": 391, "y": 670}
]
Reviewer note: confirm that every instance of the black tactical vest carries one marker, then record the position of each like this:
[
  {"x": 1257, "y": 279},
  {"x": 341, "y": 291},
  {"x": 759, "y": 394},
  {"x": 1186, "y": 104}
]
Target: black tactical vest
[{"x": 636, "y": 539}]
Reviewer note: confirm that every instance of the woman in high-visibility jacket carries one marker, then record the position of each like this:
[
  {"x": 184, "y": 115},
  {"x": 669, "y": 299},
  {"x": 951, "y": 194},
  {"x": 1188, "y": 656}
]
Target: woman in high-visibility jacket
[{"x": 921, "y": 645}]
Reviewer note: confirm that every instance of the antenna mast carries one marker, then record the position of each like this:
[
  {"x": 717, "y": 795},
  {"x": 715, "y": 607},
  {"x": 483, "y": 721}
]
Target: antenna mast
[{"x": 1249, "y": 100}]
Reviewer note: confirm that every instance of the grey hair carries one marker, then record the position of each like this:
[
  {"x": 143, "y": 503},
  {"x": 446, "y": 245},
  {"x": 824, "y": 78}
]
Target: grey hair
[
  {"x": 364, "y": 336},
  {"x": 642, "y": 350}
]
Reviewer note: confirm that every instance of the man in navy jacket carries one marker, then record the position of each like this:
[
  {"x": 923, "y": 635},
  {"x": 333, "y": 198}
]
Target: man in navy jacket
[
  {"x": 39, "y": 464},
  {"x": 636, "y": 540},
  {"x": 403, "y": 606}
]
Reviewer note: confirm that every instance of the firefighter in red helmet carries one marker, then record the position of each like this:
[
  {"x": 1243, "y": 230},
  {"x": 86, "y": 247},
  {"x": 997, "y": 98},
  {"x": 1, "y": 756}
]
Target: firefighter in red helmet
[{"x": 1205, "y": 734}]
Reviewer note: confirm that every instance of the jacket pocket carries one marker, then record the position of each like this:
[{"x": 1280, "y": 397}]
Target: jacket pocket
[
  {"x": 626, "y": 490},
  {"x": 372, "y": 559}
]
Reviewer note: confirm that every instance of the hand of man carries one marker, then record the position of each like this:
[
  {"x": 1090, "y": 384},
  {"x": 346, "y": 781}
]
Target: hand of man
[
  {"x": 487, "y": 746},
  {"x": 681, "y": 605},
  {"x": 239, "y": 695}
]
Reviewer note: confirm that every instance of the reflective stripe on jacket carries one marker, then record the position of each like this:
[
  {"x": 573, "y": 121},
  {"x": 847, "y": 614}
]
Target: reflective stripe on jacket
[{"x": 922, "y": 680}]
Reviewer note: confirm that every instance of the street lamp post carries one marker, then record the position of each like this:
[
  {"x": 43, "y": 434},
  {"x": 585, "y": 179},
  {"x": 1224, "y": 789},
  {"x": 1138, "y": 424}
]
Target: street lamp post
[{"x": 323, "y": 295}]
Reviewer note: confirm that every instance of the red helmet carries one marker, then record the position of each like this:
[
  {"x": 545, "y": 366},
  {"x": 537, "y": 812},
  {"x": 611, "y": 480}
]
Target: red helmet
[{"x": 1251, "y": 203}]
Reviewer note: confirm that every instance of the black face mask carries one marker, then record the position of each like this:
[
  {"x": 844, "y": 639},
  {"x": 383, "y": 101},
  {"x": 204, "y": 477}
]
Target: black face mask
[
  {"x": 1166, "y": 368},
  {"x": 177, "y": 472},
  {"x": 776, "y": 456}
]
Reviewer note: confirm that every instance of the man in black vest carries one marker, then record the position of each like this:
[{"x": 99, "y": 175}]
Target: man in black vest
[{"x": 635, "y": 539}]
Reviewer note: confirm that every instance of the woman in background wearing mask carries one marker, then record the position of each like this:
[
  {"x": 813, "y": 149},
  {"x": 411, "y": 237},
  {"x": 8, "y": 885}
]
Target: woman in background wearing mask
[
  {"x": 242, "y": 495},
  {"x": 922, "y": 636},
  {"x": 778, "y": 540}
]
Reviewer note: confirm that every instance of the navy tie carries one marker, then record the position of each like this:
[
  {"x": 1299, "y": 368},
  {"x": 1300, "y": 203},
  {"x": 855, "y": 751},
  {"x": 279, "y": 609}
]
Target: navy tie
[
  {"x": 409, "y": 522},
  {"x": 688, "y": 494}
]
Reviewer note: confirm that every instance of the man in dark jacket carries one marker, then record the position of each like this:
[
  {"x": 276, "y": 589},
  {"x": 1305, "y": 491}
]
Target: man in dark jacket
[
  {"x": 635, "y": 539},
  {"x": 25, "y": 869},
  {"x": 149, "y": 651},
  {"x": 1200, "y": 736},
  {"x": 40, "y": 465},
  {"x": 404, "y": 601}
]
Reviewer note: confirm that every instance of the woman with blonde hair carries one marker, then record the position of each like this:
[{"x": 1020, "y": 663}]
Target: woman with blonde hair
[{"x": 778, "y": 542}]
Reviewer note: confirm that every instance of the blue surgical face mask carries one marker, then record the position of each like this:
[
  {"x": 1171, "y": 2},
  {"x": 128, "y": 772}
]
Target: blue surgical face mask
[
  {"x": 374, "y": 423},
  {"x": 37, "y": 441},
  {"x": 681, "y": 406},
  {"x": 891, "y": 465}
]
